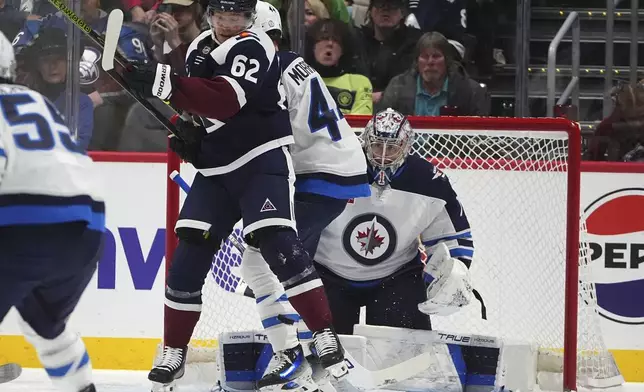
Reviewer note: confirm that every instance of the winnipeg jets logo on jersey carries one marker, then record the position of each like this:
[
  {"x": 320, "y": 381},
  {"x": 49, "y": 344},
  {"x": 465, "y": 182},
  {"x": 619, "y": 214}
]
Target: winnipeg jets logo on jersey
[{"x": 369, "y": 239}]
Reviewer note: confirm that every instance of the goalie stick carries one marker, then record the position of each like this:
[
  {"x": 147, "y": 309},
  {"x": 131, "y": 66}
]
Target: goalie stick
[
  {"x": 9, "y": 372},
  {"x": 112, "y": 35}
]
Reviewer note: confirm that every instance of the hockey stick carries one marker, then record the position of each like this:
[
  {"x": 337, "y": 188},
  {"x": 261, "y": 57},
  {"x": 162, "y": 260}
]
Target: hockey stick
[
  {"x": 113, "y": 34},
  {"x": 114, "y": 25},
  {"x": 9, "y": 372}
]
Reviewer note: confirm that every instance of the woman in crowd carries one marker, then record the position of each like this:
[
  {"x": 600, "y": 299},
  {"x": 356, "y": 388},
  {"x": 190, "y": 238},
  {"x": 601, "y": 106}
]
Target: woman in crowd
[
  {"x": 330, "y": 51},
  {"x": 435, "y": 79}
]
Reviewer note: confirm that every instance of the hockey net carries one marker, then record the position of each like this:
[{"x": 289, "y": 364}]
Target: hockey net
[{"x": 519, "y": 182}]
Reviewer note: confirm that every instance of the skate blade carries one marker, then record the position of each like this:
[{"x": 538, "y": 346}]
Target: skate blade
[
  {"x": 339, "y": 370},
  {"x": 302, "y": 384},
  {"x": 158, "y": 387}
]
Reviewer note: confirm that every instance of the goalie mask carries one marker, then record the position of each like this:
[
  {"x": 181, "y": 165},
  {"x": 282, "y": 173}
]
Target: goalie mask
[{"x": 387, "y": 141}]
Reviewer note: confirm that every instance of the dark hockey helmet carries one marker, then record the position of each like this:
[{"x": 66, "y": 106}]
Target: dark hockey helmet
[
  {"x": 232, "y": 5},
  {"x": 387, "y": 141}
]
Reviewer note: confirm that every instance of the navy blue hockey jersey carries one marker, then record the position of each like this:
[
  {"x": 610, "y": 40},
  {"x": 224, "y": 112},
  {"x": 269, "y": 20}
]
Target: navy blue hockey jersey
[{"x": 235, "y": 89}]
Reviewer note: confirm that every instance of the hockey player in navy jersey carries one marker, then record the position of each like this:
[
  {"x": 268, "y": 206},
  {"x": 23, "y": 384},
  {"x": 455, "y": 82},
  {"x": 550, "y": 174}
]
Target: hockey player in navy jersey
[
  {"x": 52, "y": 219},
  {"x": 369, "y": 255},
  {"x": 240, "y": 150},
  {"x": 330, "y": 169}
]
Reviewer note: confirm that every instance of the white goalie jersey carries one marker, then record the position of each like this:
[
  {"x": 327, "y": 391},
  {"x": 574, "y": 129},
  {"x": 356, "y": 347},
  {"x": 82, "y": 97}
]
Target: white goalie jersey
[
  {"x": 376, "y": 236},
  {"x": 324, "y": 140},
  {"x": 45, "y": 177}
]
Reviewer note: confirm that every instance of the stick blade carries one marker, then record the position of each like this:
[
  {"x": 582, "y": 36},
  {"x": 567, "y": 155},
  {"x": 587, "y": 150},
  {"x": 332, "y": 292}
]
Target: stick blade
[{"x": 112, "y": 35}]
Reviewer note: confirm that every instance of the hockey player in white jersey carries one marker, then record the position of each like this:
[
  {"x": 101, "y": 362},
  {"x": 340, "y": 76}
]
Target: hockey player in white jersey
[
  {"x": 369, "y": 255},
  {"x": 330, "y": 169},
  {"x": 52, "y": 219}
]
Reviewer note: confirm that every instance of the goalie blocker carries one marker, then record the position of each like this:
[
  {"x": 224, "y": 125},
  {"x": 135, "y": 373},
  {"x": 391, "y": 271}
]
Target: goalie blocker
[{"x": 405, "y": 360}]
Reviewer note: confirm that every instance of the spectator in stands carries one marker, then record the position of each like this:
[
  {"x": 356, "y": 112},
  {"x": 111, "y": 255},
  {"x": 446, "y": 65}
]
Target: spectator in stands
[
  {"x": 12, "y": 19},
  {"x": 173, "y": 29},
  {"x": 620, "y": 136},
  {"x": 330, "y": 51},
  {"x": 46, "y": 72},
  {"x": 141, "y": 11},
  {"x": 388, "y": 44},
  {"x": 435, "y": 80},
  {"x": 314, "y": 10}
]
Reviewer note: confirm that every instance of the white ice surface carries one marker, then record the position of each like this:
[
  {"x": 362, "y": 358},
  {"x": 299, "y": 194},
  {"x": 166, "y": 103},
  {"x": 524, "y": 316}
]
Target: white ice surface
[{"x": 35, "y": 380}]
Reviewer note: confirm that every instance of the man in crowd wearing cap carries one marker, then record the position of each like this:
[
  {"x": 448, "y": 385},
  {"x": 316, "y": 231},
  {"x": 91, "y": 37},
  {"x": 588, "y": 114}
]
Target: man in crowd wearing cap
[
  {"x": 172, "y": 30},
  {"x": 388, "y": 43}
]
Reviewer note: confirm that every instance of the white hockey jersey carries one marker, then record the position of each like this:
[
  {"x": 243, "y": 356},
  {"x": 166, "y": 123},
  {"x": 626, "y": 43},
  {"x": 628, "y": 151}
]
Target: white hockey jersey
[
  {"x": 327, "y": 155},
  {"x": 45, "y": 177},
  {"x": 374, "y": 237}
]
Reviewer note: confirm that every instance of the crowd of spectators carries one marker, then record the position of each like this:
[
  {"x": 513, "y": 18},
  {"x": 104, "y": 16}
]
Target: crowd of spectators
[{"x": 421, "y": 57}]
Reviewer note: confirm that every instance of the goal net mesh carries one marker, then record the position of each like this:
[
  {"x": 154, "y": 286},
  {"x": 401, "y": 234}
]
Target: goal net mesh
[{"x": 513, "y": 186}]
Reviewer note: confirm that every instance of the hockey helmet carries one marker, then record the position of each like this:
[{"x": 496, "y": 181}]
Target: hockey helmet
[
  {"x": 232, "y": 5},
  {"x": 387, "y": 140},
  {"x": 222, "y": 19},
  {"x": 268, "y": 19},
  {"x": 7, "y": 60}
]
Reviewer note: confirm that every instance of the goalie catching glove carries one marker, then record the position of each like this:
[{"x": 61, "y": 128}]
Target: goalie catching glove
[{"x": 449, "y": 287}]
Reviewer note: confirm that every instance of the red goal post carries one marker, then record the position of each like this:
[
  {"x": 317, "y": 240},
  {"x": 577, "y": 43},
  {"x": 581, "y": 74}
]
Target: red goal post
[{"x": 475, "y": 146}]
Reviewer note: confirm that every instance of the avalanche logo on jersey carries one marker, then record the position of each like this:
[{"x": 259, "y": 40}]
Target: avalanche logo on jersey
[
  {"x": 615, "y": 223},
  {"x": 369, "y": 239}
]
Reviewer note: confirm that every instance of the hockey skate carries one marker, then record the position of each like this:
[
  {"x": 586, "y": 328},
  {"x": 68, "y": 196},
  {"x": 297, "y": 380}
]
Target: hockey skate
[
  {"x": 290, "y": 372},
  {"x": 330, "y": 352},
  {"x": 89, "y": 388},
  {"x": 320, "y": 375},
  {"x": 170, "y": 368}
]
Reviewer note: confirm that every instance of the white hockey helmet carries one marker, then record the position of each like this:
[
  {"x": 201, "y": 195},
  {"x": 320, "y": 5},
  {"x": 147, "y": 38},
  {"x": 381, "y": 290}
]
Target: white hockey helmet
[
  {"x": 7, "y": 60},
  {"x": 387, "y": 140},
  {"x": 268, "y": 19}
]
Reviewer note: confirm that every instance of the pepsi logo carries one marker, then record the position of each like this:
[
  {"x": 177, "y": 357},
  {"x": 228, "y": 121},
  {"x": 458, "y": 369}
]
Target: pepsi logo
[{"x": 615, "y": 224}]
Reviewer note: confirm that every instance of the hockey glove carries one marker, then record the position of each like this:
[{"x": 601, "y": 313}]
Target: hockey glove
[
  {"x": 186, "y": 150},
  {"x": 150, "y": 80},
  {"x": 449, "y": 286},
  {"x": 190, "y": 131}
]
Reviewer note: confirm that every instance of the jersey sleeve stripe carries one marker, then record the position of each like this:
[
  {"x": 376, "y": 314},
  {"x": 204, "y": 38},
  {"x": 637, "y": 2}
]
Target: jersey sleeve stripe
[
  {"x": 37, "y": 215},
  {"x": 463, "y": 234},
  {"x": 241, "y": 94},
  {"x": 461, "y": 252},
  {"x": 3, "y": 153}
]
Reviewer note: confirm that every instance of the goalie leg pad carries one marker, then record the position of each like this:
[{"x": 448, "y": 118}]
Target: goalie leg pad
[
  {"x": 245, "y": 357},
  {"x": 277, "y": 314},
  {"x": 64, "y": 358}
]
